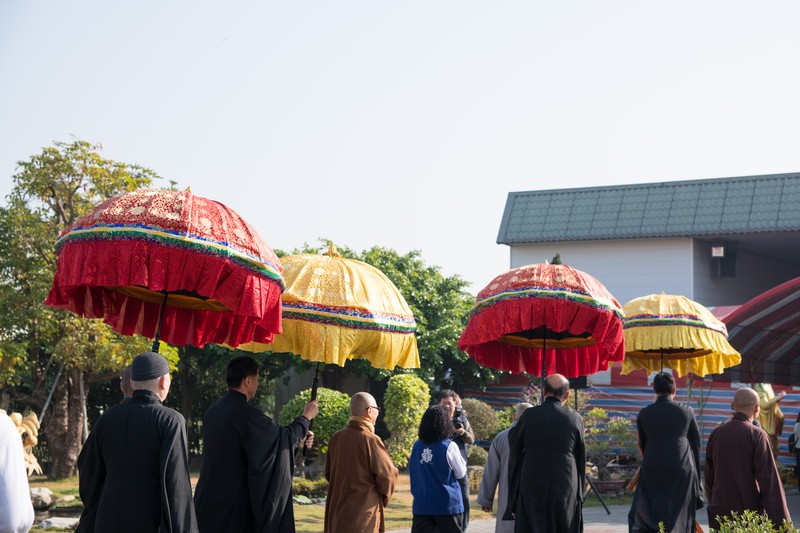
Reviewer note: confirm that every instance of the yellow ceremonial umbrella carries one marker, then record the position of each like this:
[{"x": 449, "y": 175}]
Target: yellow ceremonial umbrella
[
  {"x": 335, "y": 309},
  {"x": 663, "y": 330}
]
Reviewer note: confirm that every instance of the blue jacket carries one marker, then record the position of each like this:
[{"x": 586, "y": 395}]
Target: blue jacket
[{"x": 433, "y": 484}]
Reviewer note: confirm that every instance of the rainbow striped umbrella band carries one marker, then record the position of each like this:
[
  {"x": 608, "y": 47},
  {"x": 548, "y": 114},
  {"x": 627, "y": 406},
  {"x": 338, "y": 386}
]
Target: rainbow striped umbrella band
[
  {"x": 195, "y": 243},
  {"x": 672, "y": 320},
  {"x": 567, "y": 295},
  {"x": 349, "y": 317}
]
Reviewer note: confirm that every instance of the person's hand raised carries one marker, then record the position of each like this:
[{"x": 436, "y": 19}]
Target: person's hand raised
[{"x": 311, "y": 409}]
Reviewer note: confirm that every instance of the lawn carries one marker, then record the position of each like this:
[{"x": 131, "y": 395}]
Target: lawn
[{"x": 310, "y": 518}]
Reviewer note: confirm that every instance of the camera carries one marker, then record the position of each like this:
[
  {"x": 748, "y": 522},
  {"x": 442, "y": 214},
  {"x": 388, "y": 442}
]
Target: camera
[{"x": 456, "y": 417}]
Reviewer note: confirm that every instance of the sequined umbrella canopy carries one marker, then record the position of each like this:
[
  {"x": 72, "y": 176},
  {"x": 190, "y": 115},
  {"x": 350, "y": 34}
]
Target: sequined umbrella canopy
[
  {"x": 542, "y": 319},
  {"x": 668, "y": 331},
  {"x": 173, "y": 265},
  {"x": 335, "y": 309}
]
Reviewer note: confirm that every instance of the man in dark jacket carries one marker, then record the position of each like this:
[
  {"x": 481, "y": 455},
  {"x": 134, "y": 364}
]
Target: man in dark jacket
[
  {"x": 668, "y": 490},
  {"x": 547, "y": 465},
  {"x": 134, "y": 474},
  {"x": 246, "y": 480},
  {"x": 462, "y": 436}
]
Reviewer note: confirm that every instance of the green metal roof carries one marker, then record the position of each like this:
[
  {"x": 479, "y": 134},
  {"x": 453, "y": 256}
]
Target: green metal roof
[{"x": 723, "y": 206}]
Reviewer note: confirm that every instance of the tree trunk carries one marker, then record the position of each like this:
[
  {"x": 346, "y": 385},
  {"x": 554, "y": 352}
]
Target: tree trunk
[
  {"x": 188, "y": 383},
  {"x": 64, "y": 428}
]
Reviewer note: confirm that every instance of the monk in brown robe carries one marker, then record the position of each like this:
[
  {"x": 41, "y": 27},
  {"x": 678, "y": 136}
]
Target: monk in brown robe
[
  {"x": 361, "y": 476},
  {"x": 740, "y": 473}
]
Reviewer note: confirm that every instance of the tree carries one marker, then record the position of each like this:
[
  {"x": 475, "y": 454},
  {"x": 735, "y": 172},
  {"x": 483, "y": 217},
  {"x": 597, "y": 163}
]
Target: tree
[{"x": 50, "y": 191}]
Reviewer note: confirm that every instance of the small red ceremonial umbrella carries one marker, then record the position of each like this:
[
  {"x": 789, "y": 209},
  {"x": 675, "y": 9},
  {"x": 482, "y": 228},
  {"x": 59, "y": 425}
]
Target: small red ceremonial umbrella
[
  {"x": 170, "y": 265},
  {"x": 543, "y": 318}
]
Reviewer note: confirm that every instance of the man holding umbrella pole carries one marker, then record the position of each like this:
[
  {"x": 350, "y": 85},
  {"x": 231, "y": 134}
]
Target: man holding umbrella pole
[{"x": 246, "y": 480}]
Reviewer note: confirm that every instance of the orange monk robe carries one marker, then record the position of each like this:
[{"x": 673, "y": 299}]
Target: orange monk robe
[{"x": 361, "y": 479}]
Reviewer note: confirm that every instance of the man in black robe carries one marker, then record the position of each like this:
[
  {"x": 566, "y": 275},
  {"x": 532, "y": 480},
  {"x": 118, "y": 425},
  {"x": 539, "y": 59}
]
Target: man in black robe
[
  {"x": 134, "y": 473},
  {"x": 668, "y": 490},
  {"x": 246, "y": 480},
  {"x": 547, "y": 465}
]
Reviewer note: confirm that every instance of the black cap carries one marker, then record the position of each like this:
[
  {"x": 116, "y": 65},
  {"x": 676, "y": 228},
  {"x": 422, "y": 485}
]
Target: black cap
[{"x": 149, "y": 365}]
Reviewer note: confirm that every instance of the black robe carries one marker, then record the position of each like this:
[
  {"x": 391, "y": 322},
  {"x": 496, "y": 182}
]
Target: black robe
[
  {"x": 668, "y": 490},
  {"x": 547, "y": 470},
  {"x": 134, "y": 470},
  {"x": 246, "y": 480}
]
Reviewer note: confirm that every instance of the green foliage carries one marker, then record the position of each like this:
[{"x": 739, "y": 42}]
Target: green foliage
[
  {"x": 441, "y": 309},
  {"x": 311, "y": 488},
  {"x": 334, "y": 412},
  {"x": 476, "y": 456},
  {"x": 607, "y": 438},
  {"x": 405, "y": 401},
  {"x": 749, "y": 522},
  {"x": 504, "y": 419},
  {"x": 482, "y": 418}
]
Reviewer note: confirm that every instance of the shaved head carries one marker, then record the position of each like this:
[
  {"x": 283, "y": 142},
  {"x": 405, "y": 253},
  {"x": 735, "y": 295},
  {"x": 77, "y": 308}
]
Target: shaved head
[
  {"x": 521, "y": 409},
  {"x": 745, "y": 400},
  {"x": 556, "y": 385},
  {"x": 125, "y": 382},
  {"x": 360, "y": 402}
]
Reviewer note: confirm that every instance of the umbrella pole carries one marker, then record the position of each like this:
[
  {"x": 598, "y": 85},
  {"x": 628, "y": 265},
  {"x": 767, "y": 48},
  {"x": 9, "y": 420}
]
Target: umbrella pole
[
  {"x": 314, "y": 386},
  {"x": 544, "y": 363},
  {"x": 157, "y": 338}
]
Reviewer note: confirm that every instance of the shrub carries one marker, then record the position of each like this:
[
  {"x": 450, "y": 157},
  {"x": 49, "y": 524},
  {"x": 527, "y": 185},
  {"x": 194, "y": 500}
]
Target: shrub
[
  {"x": 504, "y": 418},
  {"x": 405, "y": 401},
  {"x": 749, "y": 522},
  {"x": 482, "y": 418},
  {"x": 476, "y": 456},
  {"x": 334, "y": 412},
  {"x": 313, "y": 488}
]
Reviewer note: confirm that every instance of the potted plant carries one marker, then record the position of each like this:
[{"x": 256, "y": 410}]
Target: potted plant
[{"x": 610, "y": 447}]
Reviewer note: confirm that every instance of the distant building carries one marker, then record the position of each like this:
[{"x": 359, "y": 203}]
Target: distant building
[{"x": 716, "y": 241}]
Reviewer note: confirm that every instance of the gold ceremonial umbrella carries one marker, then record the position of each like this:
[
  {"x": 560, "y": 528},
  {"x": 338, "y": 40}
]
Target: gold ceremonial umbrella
[
  {"x": 663, "y": 330},
  {"x": 335, "y": 309}
]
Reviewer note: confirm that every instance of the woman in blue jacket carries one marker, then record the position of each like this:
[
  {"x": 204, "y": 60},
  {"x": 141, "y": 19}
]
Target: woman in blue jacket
[{"x": 435, "y": 466}]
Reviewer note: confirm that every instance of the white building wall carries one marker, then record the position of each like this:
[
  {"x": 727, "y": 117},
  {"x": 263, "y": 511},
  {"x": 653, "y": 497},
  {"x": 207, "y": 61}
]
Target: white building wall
[
  {"x": 754, "y": 275},
  {"x": 628, "y": 268}
]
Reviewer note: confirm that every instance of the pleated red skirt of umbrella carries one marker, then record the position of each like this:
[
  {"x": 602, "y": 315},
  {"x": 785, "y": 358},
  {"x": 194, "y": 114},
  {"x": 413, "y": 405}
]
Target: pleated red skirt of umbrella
[
  {"x": 170, "y": 264},
  {"x": 543, "y": 319}
]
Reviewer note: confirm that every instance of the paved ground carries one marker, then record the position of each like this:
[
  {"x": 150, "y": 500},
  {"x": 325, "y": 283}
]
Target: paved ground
[{"x": 596, "y": 520}]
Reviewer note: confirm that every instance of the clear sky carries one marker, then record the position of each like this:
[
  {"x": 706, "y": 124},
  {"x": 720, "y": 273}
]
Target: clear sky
[{"x": 404, "y": 124}]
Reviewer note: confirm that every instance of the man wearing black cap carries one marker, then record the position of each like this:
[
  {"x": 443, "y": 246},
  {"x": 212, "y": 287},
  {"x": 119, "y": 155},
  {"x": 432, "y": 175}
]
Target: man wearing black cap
[{"x": 134, "y": 467}]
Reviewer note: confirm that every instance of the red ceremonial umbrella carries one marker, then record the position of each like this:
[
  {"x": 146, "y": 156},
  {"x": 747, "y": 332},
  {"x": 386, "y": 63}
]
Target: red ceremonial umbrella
[
  {"x": 172, "y": 265},
  {"x": 542, "y": 319}
]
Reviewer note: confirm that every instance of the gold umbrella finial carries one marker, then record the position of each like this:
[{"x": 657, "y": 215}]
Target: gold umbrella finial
[
  {"x": 188, "y": 189},
  {"x": 332, "y": 251}
]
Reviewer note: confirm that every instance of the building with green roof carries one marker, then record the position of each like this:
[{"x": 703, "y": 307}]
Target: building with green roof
[{"x": 717, "y": 241}]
